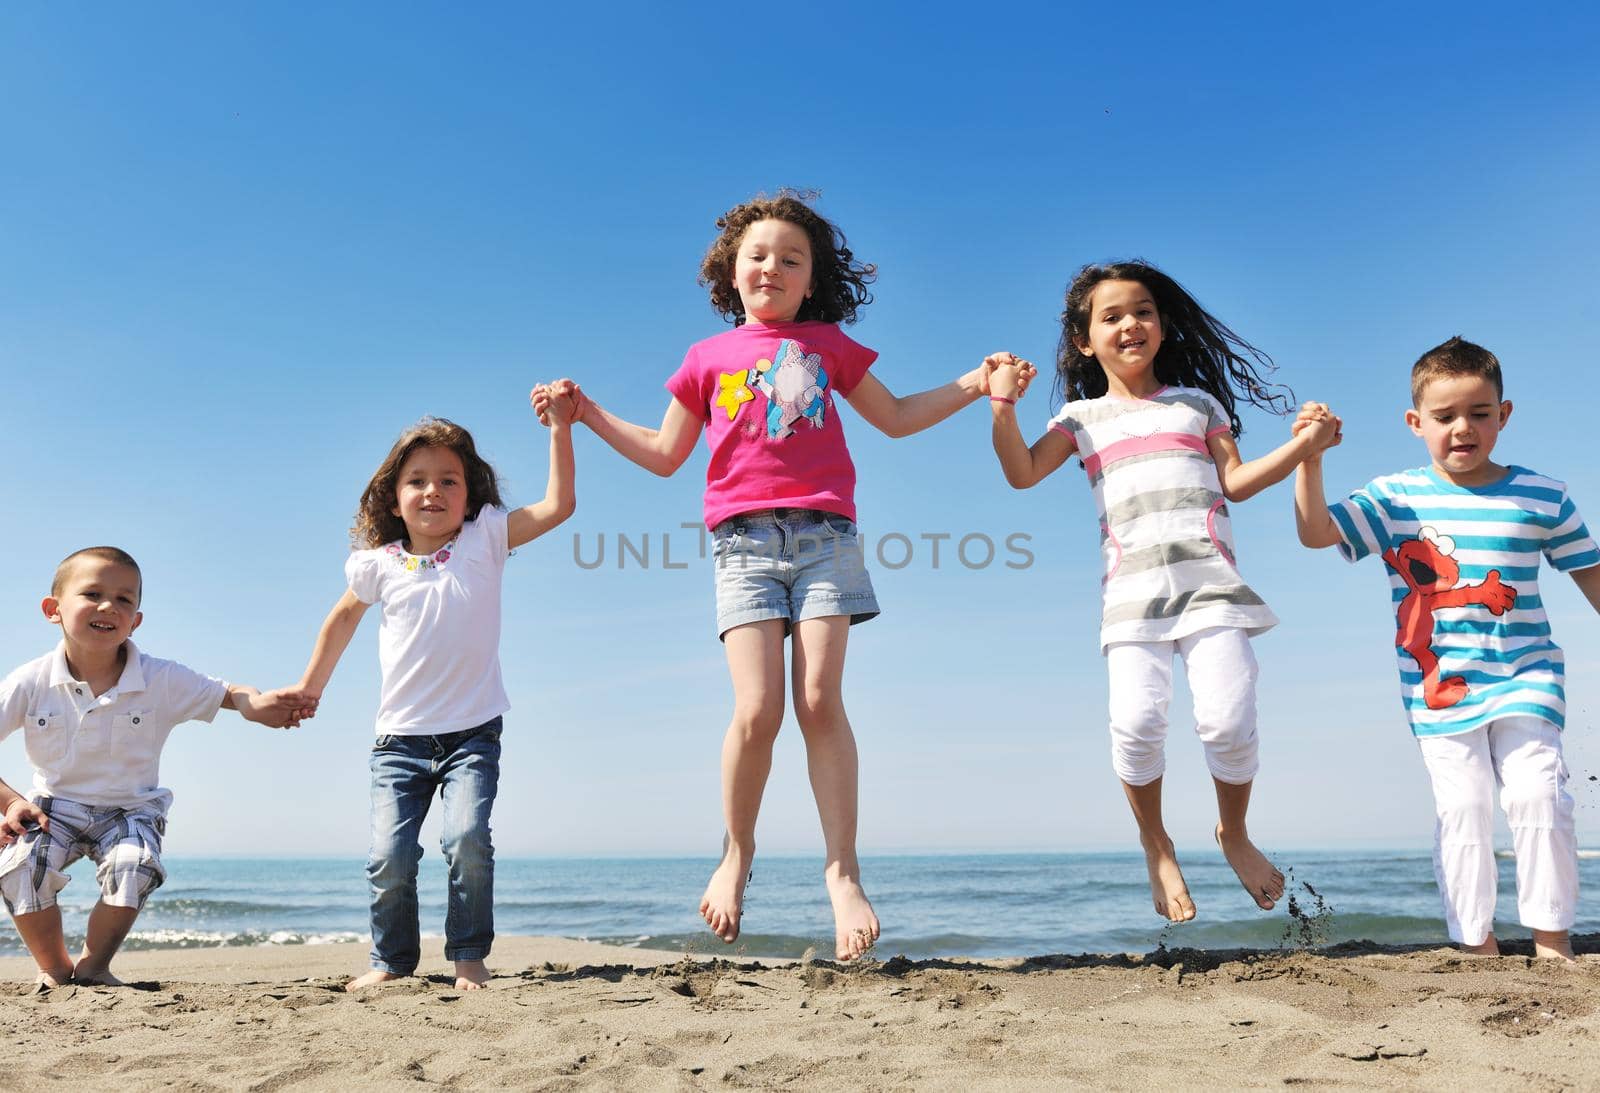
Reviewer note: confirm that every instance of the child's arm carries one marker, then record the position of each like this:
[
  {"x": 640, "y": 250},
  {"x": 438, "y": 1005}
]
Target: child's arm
[
  {"x": 1312, "y": 518},
  {"x": 1588, "y": 582},
  {"x": 1241, "y": 480},
  {"x": 337, "y": 630},
  {"x": 659, "y": 451},
  {"x": 280, "y": 709},
  {"x": 1023, "y": 466},
  {"x": 19, "y": 814},
  {"x": 560, "y": 499},
  {"x": 901, "y": 416}
]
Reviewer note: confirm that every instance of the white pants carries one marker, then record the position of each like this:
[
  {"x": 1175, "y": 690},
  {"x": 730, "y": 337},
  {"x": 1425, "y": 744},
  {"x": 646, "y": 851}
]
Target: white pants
[
  {"x": 1222, "y": 677},
  {"x": 1522, "y": 755}
]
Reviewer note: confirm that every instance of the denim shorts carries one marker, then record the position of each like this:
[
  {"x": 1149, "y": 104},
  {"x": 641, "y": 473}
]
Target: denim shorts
[{"x": 789, "y": 564}]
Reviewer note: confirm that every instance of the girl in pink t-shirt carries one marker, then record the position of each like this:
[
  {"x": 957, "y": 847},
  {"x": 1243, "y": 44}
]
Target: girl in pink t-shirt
[{"x": 780, "y": 501}]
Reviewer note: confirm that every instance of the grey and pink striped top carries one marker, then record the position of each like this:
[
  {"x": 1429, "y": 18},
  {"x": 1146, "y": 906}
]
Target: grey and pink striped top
[{"x": 1164, "y": 527}]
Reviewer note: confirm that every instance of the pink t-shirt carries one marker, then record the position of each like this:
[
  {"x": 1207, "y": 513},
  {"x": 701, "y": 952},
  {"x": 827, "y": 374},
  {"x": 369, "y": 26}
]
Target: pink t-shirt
[{"x": 766, "y": 395}]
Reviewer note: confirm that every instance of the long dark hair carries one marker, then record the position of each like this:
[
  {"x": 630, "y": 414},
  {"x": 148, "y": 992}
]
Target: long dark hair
[
  {"x": 1197, "y": 349},
  {"x": 839, "y": 282},
  {"x": 376, "y": 523}
]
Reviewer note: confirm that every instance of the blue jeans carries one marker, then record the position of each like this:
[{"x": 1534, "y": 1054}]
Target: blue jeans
[{"x": 406, "y": 770}]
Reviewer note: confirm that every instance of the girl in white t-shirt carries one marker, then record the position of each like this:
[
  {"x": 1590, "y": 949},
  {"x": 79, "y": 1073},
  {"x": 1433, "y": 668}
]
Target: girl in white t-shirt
[
  {"x": 435, "y": 538},
  {"x": 1151, "y": 380}
]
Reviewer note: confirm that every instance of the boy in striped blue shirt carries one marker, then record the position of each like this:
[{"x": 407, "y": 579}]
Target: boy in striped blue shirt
[{"x": 1483, "y": 682}]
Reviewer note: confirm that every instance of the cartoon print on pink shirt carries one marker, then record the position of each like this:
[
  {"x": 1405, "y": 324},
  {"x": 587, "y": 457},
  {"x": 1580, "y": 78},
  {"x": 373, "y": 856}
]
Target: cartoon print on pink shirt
[
  {"x": 1430, "y": 573},
  {"x": 794, "y": 387},
  {"x": 733, "y": 390}
]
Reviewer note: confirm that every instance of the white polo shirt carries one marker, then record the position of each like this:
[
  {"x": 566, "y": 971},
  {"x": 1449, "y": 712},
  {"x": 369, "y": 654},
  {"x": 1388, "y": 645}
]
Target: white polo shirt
[{"x": 103, "y": 751}]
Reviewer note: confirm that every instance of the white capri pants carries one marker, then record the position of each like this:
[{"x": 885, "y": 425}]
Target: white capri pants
[
  {"x": 1522, "y": 757},
  {"x": 1221, "y": 668}
]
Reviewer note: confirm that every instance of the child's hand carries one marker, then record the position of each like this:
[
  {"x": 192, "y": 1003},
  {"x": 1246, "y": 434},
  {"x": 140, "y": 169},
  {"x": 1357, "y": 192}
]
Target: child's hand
[
  {"x": 283, "y": 708},
  {"x": 23, "y": 816},
  {"x": 1325, "y": 427},
  {"x": 1006, "y": 375},
  {"x": 563, "y": 396}
]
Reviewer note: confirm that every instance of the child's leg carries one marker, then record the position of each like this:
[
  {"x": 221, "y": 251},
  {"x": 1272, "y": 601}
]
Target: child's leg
[
  {"x": 403, "y": 782},
  {"x": 1222, "y": 676},
  {"x": 127, "y": 855},
  {"x": 41, "y": 933},
  {"x": 108, "y": 928},
  {"x": 1462, "y": 773},
  {"x": 755, "y": 664},
  {"x": 819, "y": 648},
  {"x": 32, "y": 871},
  {"x": 1533, "y": 793},
  {"x": 1140, "y": 676},
  {"x": 471, "y": 777}
]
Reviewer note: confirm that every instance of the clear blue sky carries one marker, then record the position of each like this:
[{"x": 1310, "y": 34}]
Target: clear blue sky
[{"x": 243, "y": 246}]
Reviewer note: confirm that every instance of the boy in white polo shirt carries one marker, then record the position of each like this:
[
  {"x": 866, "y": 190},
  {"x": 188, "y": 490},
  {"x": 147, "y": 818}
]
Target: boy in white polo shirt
[{"x": 95, "y": 713}]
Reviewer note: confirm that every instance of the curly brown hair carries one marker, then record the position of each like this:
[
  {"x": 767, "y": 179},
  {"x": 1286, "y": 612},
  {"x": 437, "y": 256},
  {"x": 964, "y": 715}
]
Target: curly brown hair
[
  {"x": 376, "y": 523},
  {"x": 839, "y": 283}
]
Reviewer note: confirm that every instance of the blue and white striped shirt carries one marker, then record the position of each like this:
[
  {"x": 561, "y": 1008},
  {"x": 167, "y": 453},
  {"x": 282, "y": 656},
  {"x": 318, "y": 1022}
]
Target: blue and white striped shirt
[{"x": 1473, "y": 640}]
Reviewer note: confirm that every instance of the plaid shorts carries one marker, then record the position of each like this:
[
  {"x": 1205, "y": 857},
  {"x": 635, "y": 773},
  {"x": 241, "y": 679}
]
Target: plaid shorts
[{"x": 124, "y": 843}]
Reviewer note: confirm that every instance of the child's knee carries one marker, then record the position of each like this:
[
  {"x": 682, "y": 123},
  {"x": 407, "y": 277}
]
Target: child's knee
[
  {"x": 393, "y": 863},
  {"x": 1541, "y": 804},
  {"x": 1463, "y": 818},
  {"x": 27, "y": 882},
  {"x": 469, "y": 849},
  {"x": 758, "y": 719},
  {"x": 129, "y": 872}
]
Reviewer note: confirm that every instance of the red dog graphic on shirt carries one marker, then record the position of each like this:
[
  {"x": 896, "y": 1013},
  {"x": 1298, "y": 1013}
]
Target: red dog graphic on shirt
[{"x": 1424, "y": 563}]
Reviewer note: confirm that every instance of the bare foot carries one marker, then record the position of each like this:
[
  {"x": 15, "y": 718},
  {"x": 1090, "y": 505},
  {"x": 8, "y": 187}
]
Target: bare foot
[
  {"x": 855, "y": 927},
  {"x": 723, "y": 904},
  {"x": 471, "y": 975},
  {"x": 49, "y": 981},
  {"x": 1553, "y": 945},
  {"x": 1255, "y": 872},
  {"x": 1167, "y": 889},
  {"x": 371, "y": 979},
  {"x": 92, "y": 978},
  {"x": 1488, "y": 947}
]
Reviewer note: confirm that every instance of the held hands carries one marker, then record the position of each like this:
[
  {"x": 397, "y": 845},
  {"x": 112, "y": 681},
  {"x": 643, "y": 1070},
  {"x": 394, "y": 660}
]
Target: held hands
[
  {"x": 283, "y": 708},
  {"x": 1006, "y": 375},
  {"x": 563, "y": 399},
  {"x": 1324, "y": 427},
  {"x": 21, "y": 817}
]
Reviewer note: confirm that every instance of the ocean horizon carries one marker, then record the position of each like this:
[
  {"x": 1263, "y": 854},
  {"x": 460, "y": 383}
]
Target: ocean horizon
[{"x": 985, "y": 905}]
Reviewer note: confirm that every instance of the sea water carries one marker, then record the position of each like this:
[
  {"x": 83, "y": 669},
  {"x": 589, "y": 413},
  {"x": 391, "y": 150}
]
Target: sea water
[{"x": 980, "y": 905}]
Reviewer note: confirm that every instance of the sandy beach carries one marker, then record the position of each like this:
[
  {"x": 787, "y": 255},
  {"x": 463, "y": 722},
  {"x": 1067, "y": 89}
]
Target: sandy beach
[{"x": 567, "y": 1015}]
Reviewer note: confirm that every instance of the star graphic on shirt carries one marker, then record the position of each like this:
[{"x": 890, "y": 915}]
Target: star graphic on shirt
[{"x": 735, "y": 391}]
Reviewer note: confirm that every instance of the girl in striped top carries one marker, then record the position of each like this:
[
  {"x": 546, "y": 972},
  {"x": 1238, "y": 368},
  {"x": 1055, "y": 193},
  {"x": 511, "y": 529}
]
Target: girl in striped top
[{"x": 1151, "y": 381}]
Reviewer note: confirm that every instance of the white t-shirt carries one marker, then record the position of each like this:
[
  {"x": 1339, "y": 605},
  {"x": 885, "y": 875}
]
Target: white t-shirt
[
  {"x": 103, "y": 751},
  {"x": 439, "y": 638}
]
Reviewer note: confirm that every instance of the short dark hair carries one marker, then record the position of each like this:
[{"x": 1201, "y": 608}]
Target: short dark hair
[
  {"x": 115, "y": 555},
  {"x": 1456, "y": 357}
]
